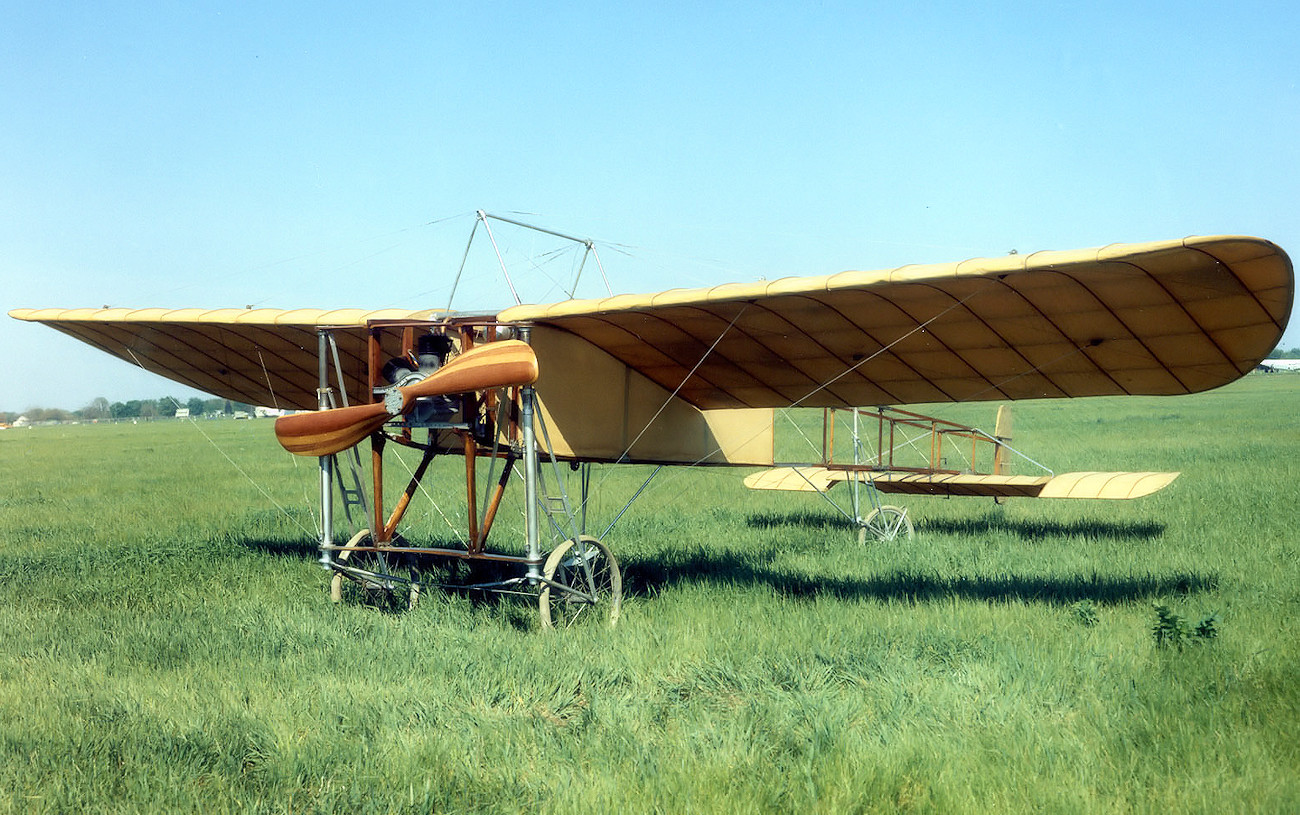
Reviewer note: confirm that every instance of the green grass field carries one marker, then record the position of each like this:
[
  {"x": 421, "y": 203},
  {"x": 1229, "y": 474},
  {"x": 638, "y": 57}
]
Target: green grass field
[{"x": 169, "y": 644}]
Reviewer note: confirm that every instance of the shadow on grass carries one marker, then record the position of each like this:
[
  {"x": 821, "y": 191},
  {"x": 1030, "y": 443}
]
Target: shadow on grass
[
  {"x": 306, "y": 550},
  {"x": 646, "y": 577},
  {"x": 992, "y": 523},
  {"x": 445, "y": 573}
]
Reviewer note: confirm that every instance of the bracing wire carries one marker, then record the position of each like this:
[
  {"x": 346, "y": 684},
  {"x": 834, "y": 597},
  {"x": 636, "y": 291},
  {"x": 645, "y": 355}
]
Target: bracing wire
[
  {"x": 267, "y": 374},
  {"x": 245, "y": 474},
  {"x": 682, "y": 384},
  {"x": 232, "y": 462},
  {"x": 432, "y": 501},
  {"x": 662, "y": 483},
  {"x": 785, "y": 413}
]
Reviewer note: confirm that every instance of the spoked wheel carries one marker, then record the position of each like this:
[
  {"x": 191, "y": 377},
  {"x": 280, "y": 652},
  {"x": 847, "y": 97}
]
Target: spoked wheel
[
  {"x": 886, "y": 523},
  {"x": 582, "y": 581},
  {"x": 371, "y": 577}
]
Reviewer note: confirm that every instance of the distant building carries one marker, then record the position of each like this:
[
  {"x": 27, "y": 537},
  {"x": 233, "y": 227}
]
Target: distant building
[{"x": 182, "y": 413}]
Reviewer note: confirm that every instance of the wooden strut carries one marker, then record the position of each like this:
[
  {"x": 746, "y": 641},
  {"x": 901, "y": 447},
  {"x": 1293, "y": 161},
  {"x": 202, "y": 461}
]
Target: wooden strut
[
  {"x": 468, "y": 408},
  {"x": 891, "y": 422},
  {"x": 374, "y": 367},
  {"x": 495, "y": 503},
  {"x": 402, "y": 503},
  {"x": 377, "y": 441},
  {"x": 471, "y": 485}
]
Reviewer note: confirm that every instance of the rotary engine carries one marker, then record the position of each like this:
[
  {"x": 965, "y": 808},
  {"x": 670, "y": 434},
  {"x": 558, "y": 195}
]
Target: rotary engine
[{"x": 431, "y": 351}]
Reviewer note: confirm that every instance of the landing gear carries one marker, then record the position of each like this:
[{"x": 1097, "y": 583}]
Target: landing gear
[
  {"x": 581, "y": 580},
  {"x": 885, "y": 523},
  {"x": 373, "y": 576}
]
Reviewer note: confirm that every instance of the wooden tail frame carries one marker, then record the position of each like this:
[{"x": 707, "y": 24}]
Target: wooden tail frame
[
  {"x": 931, "y": 440},
  {"x": 936, "y": 435},
  {"x": 485, "y": 419}
]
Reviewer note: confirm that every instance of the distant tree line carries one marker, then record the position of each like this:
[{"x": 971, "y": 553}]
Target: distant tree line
[{"x": 100, "y": 409}]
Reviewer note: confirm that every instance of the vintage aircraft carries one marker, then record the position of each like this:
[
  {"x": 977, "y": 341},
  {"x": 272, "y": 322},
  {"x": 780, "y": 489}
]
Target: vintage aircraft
[{"x": 693, "y": 377}]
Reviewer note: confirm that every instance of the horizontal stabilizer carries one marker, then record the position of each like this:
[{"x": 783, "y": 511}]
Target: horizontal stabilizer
[
  {"x": 792, "y": 479},
  {"x": 1106, "y": 485},
  {"x": 961, "y": 484},
  {"x": 1112, "y": 486}
]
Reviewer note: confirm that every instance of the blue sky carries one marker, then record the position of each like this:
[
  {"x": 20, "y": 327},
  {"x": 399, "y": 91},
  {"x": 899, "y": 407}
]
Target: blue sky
[{"x": 187, "y": 154}]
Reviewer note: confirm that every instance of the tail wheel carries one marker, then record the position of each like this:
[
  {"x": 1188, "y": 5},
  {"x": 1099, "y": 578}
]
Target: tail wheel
[
  {"x": 582, "y": 580},
  {"x": 886, "y": 523}
]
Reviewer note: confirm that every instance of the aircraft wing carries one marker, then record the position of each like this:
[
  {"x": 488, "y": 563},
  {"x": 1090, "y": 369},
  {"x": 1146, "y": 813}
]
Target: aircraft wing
[
  {"x": 255, "y": 356},
  {"x": 1156, "y": 318}
]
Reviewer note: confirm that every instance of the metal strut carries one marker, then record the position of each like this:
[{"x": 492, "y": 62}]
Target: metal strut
[
  {"x": 532, "y": 526},
  {"x": 326, "y": 462}
]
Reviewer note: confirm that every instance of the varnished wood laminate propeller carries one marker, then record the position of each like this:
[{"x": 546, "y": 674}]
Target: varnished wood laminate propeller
[{"x": 325, "y": 432}]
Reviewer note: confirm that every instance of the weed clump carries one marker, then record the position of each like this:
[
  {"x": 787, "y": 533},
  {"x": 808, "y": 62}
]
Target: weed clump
[
  {"x": 1172, "y": 631},
  {"x": 1085, "y": 611}
]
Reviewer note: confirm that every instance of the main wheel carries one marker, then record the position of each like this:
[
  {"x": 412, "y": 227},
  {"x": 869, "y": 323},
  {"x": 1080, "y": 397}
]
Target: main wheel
[
  {"x": 582, "y": 581},
  {"x": 886, "y": 523},
  {"x": 373, "y": 576}
]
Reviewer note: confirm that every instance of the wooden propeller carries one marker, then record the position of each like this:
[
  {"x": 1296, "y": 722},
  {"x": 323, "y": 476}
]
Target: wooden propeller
[{"x": 325, "y": 432}]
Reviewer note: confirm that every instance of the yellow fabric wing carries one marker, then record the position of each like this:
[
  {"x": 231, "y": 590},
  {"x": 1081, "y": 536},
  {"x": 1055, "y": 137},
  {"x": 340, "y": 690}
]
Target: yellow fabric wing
[
  {"x": 1157, "y": 318},
  {"x": 256, "y": 356}
]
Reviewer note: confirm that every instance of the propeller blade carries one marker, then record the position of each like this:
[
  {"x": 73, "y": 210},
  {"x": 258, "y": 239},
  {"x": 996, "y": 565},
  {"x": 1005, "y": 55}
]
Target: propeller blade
[
  {"x": 325, "y": 432},
  {"x": 495, "y": 365}
]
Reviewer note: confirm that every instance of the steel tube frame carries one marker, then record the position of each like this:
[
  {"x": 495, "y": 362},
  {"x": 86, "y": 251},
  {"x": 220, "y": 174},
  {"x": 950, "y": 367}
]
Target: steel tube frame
[
  {"x": 532, "y": 526},
  {"x": 326, "y": 462}
]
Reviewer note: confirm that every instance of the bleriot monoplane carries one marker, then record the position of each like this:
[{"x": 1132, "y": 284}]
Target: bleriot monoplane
[{"x": 693, "y": 377}]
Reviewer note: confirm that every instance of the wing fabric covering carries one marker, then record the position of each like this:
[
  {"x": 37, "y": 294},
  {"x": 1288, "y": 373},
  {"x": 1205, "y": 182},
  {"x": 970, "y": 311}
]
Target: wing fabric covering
[
  {"x": 1173, "y": 317},
  {"x": 258, "y": 357},
  {"x": 1156, "y": 318}
]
